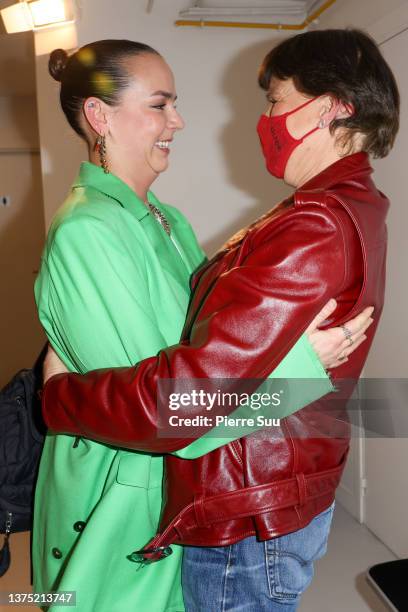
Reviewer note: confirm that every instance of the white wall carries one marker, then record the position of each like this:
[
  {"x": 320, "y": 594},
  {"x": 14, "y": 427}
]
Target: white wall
[
  {"x": 21, "y": 223},
  {"x": 388, "y": 357},
  {"x": 21, "y": 242},
  {"x": 364, "y": 14},
  {"x": 381, "y": 461},
  {"x": 17, "y": 66},
  {"x": 18, "y": 122},
  {"x": 21, "y": 233}
]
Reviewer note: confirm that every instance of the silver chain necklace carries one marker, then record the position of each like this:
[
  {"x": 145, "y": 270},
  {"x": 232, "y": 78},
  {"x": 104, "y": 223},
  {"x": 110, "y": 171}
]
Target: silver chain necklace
[{"x": 160, "y": 218}]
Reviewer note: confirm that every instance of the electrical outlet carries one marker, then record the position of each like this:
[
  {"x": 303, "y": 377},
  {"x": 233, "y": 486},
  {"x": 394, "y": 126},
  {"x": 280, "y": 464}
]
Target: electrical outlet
[{"x": 5, "y": 200}]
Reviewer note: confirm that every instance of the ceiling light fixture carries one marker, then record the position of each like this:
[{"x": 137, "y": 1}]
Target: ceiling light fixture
[
  {"x": 36, "y": 14},
  {"x": 17, "y": 18},
  {"x": 298, "y": 15}
]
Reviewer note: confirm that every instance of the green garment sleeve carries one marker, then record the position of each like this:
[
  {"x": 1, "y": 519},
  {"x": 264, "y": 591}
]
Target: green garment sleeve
[
  {"x": 93, "y": 301},
  {"x": 306, "y": 381}
]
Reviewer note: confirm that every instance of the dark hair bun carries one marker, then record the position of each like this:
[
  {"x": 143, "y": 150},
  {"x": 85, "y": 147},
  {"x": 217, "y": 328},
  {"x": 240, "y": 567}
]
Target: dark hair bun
[{"x": 57, "y": 63}]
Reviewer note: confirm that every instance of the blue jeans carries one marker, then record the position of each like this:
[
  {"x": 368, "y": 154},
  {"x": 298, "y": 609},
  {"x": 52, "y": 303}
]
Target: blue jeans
[{"x": 253, "y": 576}]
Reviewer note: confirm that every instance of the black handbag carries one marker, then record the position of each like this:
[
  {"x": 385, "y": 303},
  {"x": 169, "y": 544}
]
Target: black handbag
[{"x": 22, "y": 433}]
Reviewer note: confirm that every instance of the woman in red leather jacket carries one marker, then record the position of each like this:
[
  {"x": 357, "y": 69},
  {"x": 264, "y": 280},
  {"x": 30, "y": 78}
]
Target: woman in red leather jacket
[{"x": 256, "y": 514}]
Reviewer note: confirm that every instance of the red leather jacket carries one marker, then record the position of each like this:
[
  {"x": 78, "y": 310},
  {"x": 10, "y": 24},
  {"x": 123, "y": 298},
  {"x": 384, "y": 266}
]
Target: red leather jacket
[{"x": 249, "y": 306}]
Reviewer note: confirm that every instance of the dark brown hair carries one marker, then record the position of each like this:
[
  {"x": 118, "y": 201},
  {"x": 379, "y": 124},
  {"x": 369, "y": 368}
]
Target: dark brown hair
[
  {"x": 97, "y": 69},
  {"x": 348, "y": 65}
]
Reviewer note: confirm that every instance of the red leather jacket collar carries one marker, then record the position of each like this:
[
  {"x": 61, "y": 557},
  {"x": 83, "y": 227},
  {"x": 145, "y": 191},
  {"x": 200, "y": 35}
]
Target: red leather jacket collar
[{"x": 353, "y": 167}]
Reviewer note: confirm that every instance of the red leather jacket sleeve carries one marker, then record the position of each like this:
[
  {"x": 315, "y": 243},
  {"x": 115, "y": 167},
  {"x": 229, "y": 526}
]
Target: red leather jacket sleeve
[{"x": 250, "y": 318}]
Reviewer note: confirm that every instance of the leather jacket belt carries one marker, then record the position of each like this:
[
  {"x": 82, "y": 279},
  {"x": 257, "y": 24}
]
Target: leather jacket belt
[{"x": 249, "y": 501}]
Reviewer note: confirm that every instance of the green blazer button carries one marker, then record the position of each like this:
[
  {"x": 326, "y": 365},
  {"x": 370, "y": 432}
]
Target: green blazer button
[
  {"x": 57, "y": 553},
  {"x": 79, "y": 526}
]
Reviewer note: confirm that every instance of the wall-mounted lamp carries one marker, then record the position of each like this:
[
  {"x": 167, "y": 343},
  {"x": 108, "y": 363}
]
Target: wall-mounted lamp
[{"x": 33, "y": 14}]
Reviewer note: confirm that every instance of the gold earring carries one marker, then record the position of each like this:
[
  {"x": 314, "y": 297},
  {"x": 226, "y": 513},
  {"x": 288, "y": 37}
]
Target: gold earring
[{"x": 100, "y": 147}]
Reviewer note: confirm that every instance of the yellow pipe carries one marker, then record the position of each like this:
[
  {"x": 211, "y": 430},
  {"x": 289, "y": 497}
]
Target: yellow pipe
[
  {"x": 235, "y": 24},
  {"x": 260, "y": 26}
]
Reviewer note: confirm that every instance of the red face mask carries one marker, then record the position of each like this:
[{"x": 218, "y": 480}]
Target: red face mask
[{"x": 276, "y": 141}]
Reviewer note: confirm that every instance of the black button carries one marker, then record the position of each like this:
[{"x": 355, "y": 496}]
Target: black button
[
  {"x": 79, "y": 526},
  {"x": 57, "y": 553}
]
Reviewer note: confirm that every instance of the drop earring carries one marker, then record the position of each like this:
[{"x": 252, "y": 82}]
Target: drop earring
[
  {"x": 100, "y": 147},
  {"x": 322, "y": 124}
]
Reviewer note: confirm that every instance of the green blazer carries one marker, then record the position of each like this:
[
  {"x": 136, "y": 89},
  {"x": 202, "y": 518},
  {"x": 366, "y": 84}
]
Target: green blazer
[{"x": 113, "y": 289}]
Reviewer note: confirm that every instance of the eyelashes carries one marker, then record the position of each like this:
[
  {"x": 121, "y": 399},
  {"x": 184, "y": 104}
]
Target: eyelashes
[{"x": 162, "y": 106}]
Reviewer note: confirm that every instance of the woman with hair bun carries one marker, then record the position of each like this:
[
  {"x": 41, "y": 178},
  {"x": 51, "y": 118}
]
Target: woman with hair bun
[{"x": 114, "y": 290}]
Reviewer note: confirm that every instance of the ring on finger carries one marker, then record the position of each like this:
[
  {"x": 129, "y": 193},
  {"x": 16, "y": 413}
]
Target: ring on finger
[{"x": 347, "y": 333}]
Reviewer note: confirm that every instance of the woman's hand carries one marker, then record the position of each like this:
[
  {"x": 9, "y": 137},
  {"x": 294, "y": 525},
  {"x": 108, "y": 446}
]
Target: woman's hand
[
  {"x": 333, "y": 346},
  {"x": 52, "y": 365}
]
